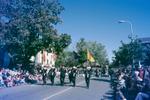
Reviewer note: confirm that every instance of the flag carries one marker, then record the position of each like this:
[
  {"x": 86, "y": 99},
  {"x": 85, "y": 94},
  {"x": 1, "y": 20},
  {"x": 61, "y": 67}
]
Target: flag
[{"x": 90, "y": 57}]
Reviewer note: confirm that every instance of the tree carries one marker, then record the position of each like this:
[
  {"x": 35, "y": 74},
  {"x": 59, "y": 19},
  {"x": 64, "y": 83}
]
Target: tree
[
  {"x": 97, "y": 49},
  {"x": 81, "y": 47},
  {"x": 99, "y": 52},
  {"x": 126, "y": 53},
  {"x": 28, "y": 25},
  {"x": 66, "y": 58}
]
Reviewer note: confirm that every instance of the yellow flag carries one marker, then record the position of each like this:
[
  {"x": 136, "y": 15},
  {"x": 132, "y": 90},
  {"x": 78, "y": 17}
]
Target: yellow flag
[{"x": 90, "y": 57}]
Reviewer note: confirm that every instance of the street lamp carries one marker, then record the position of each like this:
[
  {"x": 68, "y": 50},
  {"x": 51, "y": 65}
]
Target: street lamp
[
  {"x": 131, "y": 27},
  {"x": 130, "y": 37}
]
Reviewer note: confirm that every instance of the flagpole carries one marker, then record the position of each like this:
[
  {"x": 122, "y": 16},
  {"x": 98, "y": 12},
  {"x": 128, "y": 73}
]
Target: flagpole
[{"x": 87, "y": 56}]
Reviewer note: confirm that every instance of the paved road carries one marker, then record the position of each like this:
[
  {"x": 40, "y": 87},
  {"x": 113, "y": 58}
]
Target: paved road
[{"x": 99, "y": 88}]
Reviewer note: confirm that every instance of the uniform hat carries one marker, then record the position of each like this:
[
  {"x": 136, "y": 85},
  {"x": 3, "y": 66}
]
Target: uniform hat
[
  {"x": 88, "y": 68},
  {"x": 74, "y": 67},
  {"x": 44, "y": 67}
]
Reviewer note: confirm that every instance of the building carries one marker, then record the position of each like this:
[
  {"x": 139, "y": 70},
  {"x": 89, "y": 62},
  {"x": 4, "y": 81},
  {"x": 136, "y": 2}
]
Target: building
[
  {"x": 145, "y": 43},
  {"x": 45, "y": 58}
]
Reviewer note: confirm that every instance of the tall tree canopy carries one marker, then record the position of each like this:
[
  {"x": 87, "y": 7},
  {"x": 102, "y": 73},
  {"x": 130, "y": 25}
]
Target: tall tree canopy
[
  {"x": 27, "y": 26},
  {"x": 97, "y": 49},
  {"x": 127, "y": 54},
  {"x": 67, "y": 58}
]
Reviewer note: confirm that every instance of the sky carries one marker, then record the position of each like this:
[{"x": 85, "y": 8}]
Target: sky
[{"x": 97, "y": 20}]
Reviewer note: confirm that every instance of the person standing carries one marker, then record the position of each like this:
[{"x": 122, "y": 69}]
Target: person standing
[
  {"x": 97, "y": 72},
  {"x": 52, "y": 75},
  {"x": 62, "y": 75},
  {"x": 73, "y": 76},
  {"x": 44, "y": 75},
  {"x": 88, "y": 72},
  {"x": 70, "y": 75},
  {"x": 111, "y": 72}
]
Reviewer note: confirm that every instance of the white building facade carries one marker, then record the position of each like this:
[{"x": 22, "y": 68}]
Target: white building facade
[{"x": 45, "y": 59}]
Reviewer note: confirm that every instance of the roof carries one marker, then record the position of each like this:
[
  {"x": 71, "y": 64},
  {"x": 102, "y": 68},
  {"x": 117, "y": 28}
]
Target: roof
[{"x": 144, "y": 40}]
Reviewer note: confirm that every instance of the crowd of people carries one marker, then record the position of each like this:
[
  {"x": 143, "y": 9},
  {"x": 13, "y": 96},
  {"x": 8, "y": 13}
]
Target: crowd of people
[
  {"x": 129, "y": 83},
  {"x": 132, "y": 84},
  {"x": 62, "y": 72},
  {"x": 9, "y": 78}
]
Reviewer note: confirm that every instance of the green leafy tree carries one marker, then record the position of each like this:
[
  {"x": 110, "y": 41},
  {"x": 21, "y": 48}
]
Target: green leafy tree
[
  {"x": 126, "y": 53},
  {"x": 97, "y": 49},
  {"x": 27, "y": 26},
  {"x": 81, "y": 51},
  {"x": 66, "y": 58},
  {"x": 99, "y": 52}
]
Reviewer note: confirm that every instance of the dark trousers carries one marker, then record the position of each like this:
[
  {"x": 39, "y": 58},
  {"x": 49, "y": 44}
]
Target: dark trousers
[
  {"x": 44, "y": 80},
  {"x": 62, "y": 79},
  {"x": 74, "y": 81},
  {"x": 52, "y": 79},
  {"x": 87, "y": 80},
  {"x": 70, "y": 78}
]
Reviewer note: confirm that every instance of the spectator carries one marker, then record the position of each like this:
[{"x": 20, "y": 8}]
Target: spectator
[
  {"x": 9, "y": 78},
  {"x": 137, "y": 78},
  {"x": 145, "y": 93}
]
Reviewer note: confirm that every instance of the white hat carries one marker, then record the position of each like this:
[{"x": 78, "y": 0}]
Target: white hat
[
  {"x": 44, "y": 68},
  {"x": 88, "y": 68},
  {"x": 74, "y": 67}
]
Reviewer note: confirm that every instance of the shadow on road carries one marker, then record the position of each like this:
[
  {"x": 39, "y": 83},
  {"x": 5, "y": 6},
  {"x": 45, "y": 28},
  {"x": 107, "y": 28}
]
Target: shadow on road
[
  {"x": 67, "y": 84},
  {"x": 56, "y": 84},
  {"x": 82, "y": 87},
  {"x": 101, "y": 79}
]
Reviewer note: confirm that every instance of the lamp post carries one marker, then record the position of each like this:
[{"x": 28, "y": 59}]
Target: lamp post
[
  {"x": 130, "y": 37},
  {"x": 131, "y": 27}
]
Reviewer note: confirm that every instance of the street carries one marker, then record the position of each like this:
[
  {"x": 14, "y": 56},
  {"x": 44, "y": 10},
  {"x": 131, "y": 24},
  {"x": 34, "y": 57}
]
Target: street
[
  {"x": 74, "y": 49},
  {"x": 99, "y": 88}
]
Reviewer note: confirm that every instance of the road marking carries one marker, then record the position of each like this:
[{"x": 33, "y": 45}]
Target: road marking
[{"x": 63, "y": 91}]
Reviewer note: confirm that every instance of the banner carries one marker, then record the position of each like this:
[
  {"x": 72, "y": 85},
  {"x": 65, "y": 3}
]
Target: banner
[{"x": 90, "y": 57}]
